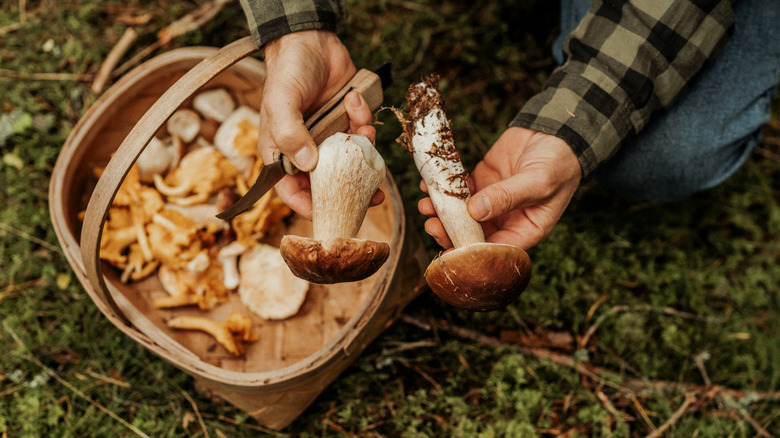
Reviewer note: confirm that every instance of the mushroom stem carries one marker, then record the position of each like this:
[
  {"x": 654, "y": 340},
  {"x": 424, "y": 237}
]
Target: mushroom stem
[
  {"x": 348, "y": 173},
  {"x": 432, "y": 146},
  {"x": 475, "y": 275}
]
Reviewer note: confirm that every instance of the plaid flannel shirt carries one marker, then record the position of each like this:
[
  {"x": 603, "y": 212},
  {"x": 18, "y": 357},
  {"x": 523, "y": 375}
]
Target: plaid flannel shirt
[
  {"x": 270, "y": 19},
  {"x": 624, "y": 62}
]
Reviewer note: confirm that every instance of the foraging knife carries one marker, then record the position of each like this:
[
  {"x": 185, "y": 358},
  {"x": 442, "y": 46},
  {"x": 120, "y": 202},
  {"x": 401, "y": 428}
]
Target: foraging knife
[{"x": 328, "y": 120}]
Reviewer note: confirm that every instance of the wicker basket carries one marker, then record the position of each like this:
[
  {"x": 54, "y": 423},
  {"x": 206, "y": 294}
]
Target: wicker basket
[{"x": 295, "y": 359}]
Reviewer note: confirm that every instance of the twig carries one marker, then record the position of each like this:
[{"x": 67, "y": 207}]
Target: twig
[
  {"x": 690, "y": 399},
  {"x": 67, "y": 384},
  {"x": 192, "y": 21},
  {"x": 116, "y": 53},
  {"x": 30, "y": 237},
  {"x": 596, "y": 373},
  {"x": 10, "y": 28},
  {"x": 623, "y": 308},
  {"x": 13, "y": 74},
  {"x": 602, "y": 299},
  {"x": 607, "y": 403},
  {"x": 197, "y": 413},
  {"x": 643, "y": 412},
  {"x": 108, "y": 379},
  {"x": 759, "y": 429}
]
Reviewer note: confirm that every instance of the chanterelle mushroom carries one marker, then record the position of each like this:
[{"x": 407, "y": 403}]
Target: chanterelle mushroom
[
  {"x": 231, "y": 333},
  {"x": 348, "y": 173},
  {"x": 475, "y": 275}
]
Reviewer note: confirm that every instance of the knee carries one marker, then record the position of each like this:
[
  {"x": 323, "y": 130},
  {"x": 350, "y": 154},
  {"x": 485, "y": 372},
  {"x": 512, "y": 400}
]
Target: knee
[{"x": 674, "y": 170}]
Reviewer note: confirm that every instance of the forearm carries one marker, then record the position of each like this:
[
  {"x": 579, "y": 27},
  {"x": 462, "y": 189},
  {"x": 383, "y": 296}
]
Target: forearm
[
  {"x": 624, "y": 63},
  {"x": 271, "y": 19}
]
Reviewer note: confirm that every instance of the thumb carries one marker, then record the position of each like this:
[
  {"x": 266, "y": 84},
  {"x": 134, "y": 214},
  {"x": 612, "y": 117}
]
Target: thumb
[{"x": 501, "y": 197}]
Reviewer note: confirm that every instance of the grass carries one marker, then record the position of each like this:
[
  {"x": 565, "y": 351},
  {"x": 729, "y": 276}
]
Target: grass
[{"x": 665, "y": 315}]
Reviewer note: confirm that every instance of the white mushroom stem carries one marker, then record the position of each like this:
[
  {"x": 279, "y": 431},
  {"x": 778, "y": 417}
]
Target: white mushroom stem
[
  {"x": 228, "y": 256},
  {"x": 345, "y": 161},
  {"x": 429, "y": 139}
]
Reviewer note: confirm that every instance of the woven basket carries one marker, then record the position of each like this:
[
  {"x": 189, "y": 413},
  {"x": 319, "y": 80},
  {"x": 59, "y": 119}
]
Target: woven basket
[{"x": 295, "y": 359}]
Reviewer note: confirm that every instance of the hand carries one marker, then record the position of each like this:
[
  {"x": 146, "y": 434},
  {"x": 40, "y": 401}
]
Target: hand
[
  {"x": 303, "y": 71},
  {"x": 523, "y": 186}
]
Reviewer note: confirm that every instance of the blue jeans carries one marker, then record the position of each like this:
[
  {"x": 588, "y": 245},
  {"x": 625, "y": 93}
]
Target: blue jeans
[{"x": 713, "y": 127}]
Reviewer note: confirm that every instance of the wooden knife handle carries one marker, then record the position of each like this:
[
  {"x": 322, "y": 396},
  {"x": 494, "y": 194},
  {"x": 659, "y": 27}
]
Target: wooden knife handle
[{"x": 332, "y": 117}]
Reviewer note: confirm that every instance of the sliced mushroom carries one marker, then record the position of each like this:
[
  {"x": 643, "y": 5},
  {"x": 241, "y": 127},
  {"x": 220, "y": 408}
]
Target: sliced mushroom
[
  {"x": 267, "y": 287},
  {"x": 475, "y": 275},
  {"x": 348, "y": 173}
]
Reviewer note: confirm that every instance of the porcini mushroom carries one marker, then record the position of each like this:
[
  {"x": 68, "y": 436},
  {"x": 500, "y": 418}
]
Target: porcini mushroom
[
  {"x": 347, "y": 174},
  {"x": 475, "y": 275}
]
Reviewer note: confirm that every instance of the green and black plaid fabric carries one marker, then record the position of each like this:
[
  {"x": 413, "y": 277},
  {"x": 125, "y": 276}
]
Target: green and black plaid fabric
[
  {"x": 625, "y": 61},
  {"x": 270, "y": 19}
]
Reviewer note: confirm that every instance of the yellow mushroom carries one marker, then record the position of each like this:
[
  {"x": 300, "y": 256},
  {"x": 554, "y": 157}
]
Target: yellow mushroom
[
  {"x": 231, "y": 333},
  {"x": 200, "y": 174}
]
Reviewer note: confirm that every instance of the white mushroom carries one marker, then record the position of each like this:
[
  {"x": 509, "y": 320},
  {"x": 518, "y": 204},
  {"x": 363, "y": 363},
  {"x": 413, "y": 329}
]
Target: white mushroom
[
  {"x": 228, "y": 256},
  {"x": 185, "y": 124},
  {"x": 348, "y": 173},
  {"x": 155, "y": 159},
  {"x": 215, "y": 103},
  {"x": 475, "y": 275},
  {"x": 237, "y": 136}
]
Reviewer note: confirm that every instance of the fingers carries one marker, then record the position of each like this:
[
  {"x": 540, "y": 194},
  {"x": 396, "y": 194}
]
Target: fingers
[
  {"x": 295, "y": 191},
  {"x": 435, "y": 228},
  {"x": 283, "y": 128},
  {"x": 358, "y": 111}
]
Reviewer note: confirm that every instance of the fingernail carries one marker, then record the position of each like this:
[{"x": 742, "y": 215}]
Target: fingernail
[
  {"x": 306, "y": 158},
  {"x": 481, "y": 207},
  {"x": 355, "y": 100}
]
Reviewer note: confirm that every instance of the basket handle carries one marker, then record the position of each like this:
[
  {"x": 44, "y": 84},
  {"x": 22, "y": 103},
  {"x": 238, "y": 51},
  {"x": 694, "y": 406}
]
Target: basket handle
[{"x": 132, "y": 147}]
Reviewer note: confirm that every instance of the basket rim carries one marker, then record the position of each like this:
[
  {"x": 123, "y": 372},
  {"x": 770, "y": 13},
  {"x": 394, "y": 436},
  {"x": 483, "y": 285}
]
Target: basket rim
[{"x": 343, "y": 342}]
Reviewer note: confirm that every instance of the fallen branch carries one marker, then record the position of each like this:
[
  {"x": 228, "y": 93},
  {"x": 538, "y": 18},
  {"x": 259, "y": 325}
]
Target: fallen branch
[
  {"x": 690, "y": 399},
  {"x": 192, "y": 21},
  {"x": 76, "y": 77},
  {"x": 643, "y": 308},
  {"x": 121, "y": 47},
  {"x": 604, "y": 376}
]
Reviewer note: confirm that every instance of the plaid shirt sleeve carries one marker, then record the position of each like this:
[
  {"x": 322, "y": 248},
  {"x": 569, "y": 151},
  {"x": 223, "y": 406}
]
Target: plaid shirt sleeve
[
  {"x": 625, "y": 61},
  {"x": 270, "y": 19}
]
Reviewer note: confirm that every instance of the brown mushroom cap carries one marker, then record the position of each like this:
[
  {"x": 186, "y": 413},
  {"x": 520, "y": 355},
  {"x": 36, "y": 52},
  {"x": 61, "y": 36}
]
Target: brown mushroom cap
[
  {"x": 481, "y": 276},
  {"x": 333, "y": 261}
]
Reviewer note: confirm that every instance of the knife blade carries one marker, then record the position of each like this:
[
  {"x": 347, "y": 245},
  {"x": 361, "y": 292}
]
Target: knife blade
[{"x": 328, "y": 120}]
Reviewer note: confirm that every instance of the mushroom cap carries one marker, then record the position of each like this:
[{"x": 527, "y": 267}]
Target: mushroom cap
[
  {"x": 480, "y": 276},
  {"x": 335, "y": 260}
]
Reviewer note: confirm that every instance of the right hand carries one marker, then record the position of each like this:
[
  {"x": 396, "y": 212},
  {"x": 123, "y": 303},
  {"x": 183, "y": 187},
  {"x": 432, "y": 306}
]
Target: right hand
[
  {"x": 303, "y": 71},
  {"x": 522, "y": 187}
]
